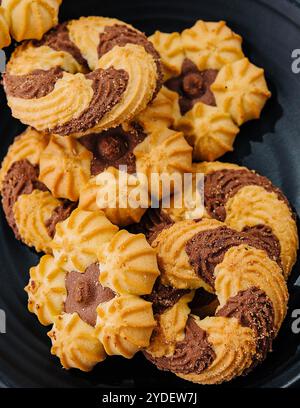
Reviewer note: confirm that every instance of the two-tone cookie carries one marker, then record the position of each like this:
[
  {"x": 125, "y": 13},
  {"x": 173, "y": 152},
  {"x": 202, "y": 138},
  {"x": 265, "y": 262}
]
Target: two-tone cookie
[
  {"x": 85, "y": 75},
  {"x": 246, "y": 276},
  {"x": 30, "y": 209},
  {"x": 217, "y": 89},
  {"x": 96, "y": 310}
]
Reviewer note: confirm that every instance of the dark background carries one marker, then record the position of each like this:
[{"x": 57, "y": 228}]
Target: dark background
[{"x": 271, "y": 30}]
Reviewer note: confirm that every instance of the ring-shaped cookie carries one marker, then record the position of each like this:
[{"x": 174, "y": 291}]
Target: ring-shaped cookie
[
  {"x": 30, "y": 209},
  {"x": 245, "y": 274},
  {"x": 58, "y": 85},
  {"x": 104, "y": 301}
]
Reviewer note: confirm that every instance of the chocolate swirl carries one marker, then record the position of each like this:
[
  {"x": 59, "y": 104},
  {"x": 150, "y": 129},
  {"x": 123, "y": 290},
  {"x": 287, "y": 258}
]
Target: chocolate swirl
[
  {"x": 120, "y": 35},
  {"x": 163, "y": 297},
  {"x": 193, "y": 86},
  {"x": 108, "y": 87},
  {"x": 221, "y": 185},
  {"x": 60, "y": 214},
  {"x": 114, "y": 147},
  {"x": 59, "y": 40},
  {"x": 193, "y": 355},
  {"x": 207, "y": 249},
  {"x": 21, "y": 178},
  {"x": 151, "y": 224},
  {"x": 85, "y": 294},
  {"x": 253, "y": 309},
  {"x": 37, "y": 84}
]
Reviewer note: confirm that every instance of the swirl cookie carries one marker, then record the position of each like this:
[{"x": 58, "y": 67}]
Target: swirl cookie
[
  {"x": 104, "y": 300},
  {"x": 31, "y": 211},
  {"x": 246, "y": 276},
  {"x": 84, "y": 76},
  {"x": 246, "y": 201},
  {"x": 243, "y": 200},
  {"x": 218, "y": 89},
  {"x": 28, "y": 19}
]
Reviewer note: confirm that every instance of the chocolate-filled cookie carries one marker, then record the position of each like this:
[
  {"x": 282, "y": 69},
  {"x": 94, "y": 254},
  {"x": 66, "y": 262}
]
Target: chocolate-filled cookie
[{"x": 214, "y": 88}]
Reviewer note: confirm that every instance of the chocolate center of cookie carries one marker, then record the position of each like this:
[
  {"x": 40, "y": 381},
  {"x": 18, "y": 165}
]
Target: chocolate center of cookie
[
  {"x": 114, "y": 148},
  {"x": 85, "y": 294},
  {"x": 59, "y": 214},
  {"x": 193, "y": 86}
]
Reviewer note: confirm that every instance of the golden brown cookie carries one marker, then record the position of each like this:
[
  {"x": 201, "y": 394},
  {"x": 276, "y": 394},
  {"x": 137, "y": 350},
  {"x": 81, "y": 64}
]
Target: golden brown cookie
[
  {"x": 33, "y": 219},
  {"x": 30, "y": 19},
  {"x": 99, "y": 170},
  {"x": 244, "y": 200},
  {"x": 124, "y": 325},
  {"x": 126, "y": 162},
  {"x": 106, "y": 295},
  {"x": 128, "y": 264},
  {"x": 128, "y": 267},
  {"x": 210, "y": 131},
  {"x": 211, "y": 45},
  {"x": 171, "y": 50},
  {"x": 162, "y": 112},
  {"x": 240, "y": 89},
  {"x": 50, "y": 85},
  {"x": 244, "y": 271},
  {"x": 31, "y": 213},
  {"x": 217, "y": 88}
]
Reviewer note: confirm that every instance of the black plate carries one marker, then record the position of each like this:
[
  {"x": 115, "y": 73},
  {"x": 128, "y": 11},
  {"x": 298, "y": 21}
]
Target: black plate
[{"x": 271, "y": 30}]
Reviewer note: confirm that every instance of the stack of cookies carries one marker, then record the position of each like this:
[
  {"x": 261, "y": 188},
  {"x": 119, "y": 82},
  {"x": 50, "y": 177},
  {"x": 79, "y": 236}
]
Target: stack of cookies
[{"x": 201, "y": 294}]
